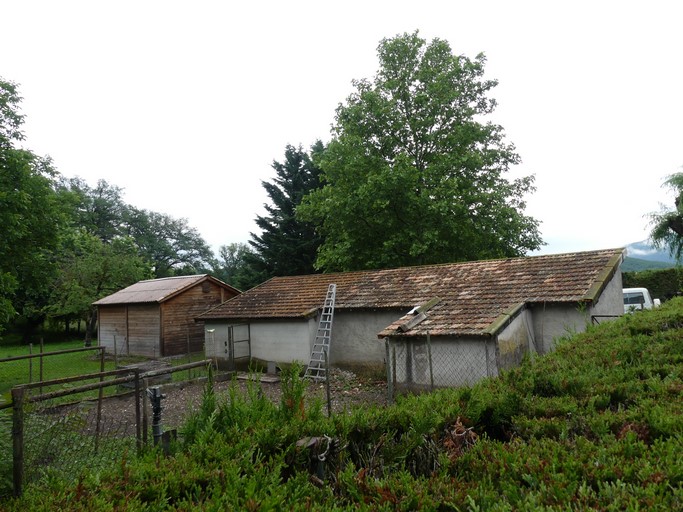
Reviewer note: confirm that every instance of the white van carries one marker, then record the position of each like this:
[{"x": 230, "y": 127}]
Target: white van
[{"x": 638, "y": 298}]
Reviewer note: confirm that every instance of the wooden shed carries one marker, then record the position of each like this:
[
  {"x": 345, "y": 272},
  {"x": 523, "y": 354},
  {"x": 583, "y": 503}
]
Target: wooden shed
[{"x": 155, "y": 318}]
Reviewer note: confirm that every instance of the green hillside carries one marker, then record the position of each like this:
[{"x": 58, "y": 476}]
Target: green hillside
[
  {"x": 596, "y": 425},
  {"x": 638, "y": 265}
]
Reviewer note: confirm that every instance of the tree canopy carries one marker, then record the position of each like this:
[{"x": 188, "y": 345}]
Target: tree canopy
[
  {"x": 66, "y": 244},
  {"x": 31, "y": 216},
  {"x": 667, "y": 225},
  {"x": 89, "y": 269},
  {"x": 413, "y": 174},
  {"x": 170, "y": 245}
]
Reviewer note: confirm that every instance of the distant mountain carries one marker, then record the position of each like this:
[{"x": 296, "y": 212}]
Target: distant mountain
[{"x": 642, "y": 256}]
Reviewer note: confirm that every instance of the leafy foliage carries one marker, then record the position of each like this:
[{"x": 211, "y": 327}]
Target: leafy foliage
[
  {"x": 99, "y": 211},
  {"x": 66, "y": 244},
  {"x": 234, "y": 266},
  {"x": 667, "y": 225},
  {"x": 663, "y": 284},
  {"x": 413, "y": 175},
  {"x": 31, "y": 216},
  {"x": 90, "y": 269},
  {"x": 170, "y": 245}
]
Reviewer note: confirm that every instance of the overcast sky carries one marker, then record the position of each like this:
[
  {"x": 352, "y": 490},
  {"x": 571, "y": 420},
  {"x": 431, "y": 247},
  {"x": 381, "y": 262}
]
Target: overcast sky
[{"x": 185, "y": 105}]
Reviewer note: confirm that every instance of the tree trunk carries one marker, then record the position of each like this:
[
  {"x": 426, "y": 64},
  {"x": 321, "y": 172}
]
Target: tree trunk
[
  {"x": 30, "y": 328},
  {"x": 90, "y": 327}
]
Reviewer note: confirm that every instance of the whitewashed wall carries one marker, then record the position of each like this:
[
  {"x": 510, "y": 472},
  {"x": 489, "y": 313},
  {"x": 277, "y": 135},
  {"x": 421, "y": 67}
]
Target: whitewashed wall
[
  {"x": 354, "y": 338},
  {"x": 515, "y": 341},
  {"x": 553, "y": 321}
]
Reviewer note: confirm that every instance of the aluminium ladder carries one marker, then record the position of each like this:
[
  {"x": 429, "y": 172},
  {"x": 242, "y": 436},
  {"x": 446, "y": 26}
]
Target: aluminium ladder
[{"x": 317, "y": 367}]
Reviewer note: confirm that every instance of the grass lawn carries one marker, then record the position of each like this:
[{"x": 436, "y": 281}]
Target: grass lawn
[
  {"x": 23, "y": 371},
  {"x": 14, "y": 373}
]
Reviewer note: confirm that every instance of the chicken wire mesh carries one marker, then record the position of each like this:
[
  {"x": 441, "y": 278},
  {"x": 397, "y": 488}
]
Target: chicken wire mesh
[
  {"x": 86, "y": 423},
  {"x": 65, "y": 438},
  {"x": 422, "y": 364}
]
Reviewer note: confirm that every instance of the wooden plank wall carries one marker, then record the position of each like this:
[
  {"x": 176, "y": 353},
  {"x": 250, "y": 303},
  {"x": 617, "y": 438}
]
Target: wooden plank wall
[
  {"x": 178, "y": 316},
  {"x": 144, "y": 330},
  {"x": 112, "y": 325}
]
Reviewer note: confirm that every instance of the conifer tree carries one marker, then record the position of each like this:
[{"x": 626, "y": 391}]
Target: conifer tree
[{"x": 287, "y": 245}]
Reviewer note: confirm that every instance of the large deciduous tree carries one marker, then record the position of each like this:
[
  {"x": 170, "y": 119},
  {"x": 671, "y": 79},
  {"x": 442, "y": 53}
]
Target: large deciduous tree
[
  {"x": 100, "y": 210},
  {"x": 667, "y": 225},
  {"x": 169, "y": 244},
  {"x": 31, "y": 216},
  {"x": 287, "y": 245},
  {"x": 234, "y": 266},
  {"x": 414, "y": 174},
  {"x": 89, "y": 269}
]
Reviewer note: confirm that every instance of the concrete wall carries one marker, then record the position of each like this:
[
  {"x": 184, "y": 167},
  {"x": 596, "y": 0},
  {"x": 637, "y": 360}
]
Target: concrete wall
[
  {"x": 553, "y": 321},
  {"x": 611, "y": 301},
  {"x": 355, "y": 344},
  {"x": 515, "y": 341},
  {"x": 281, "y": 341}
]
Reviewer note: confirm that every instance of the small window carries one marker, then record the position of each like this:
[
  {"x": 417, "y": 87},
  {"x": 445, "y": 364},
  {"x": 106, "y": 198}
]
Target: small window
[
  {"x": 206, "y": 287},
  {"x": 634, "y": 298}
]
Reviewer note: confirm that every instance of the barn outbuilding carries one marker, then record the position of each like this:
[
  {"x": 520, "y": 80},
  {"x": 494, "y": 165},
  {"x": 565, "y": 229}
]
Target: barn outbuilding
[
  {"x": 155, "y": 318},
  {"x": 426, "y": 326}
]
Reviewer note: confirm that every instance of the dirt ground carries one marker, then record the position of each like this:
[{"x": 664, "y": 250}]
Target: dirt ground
[{"x": 346, "y": 391}]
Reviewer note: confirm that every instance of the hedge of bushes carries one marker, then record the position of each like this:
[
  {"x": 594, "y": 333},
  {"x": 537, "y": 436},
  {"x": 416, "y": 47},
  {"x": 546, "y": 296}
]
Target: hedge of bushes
[{"x": 663, "y": 284}]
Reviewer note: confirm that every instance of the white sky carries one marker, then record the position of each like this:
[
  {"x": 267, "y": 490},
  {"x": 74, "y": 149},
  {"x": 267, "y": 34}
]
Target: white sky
[{"x": 185, "y": 105}]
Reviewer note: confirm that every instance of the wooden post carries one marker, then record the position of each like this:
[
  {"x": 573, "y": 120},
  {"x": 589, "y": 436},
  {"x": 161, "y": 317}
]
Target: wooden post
[
  {"x": 100, "y": 396},
  {"x": 429, "y": 355},
  {"x": 145, "y": 418},
  {"x": 116, "y": 359},
  {"x": 30, "y": 363},
  {"x": 393, "y": 366},
  {"x": 41, "y": 363},
  {"x": 189, "y": 357},
  {"x": 18, "y": 439}
]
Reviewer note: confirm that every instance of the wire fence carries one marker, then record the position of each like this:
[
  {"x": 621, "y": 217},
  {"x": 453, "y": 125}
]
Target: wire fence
[
  {"x": 62, "y": 426},
  {"x": 421, "y": 364}
]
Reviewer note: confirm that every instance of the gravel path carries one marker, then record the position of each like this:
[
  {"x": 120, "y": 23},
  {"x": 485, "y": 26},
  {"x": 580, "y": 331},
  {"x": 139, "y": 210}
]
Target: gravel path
[{"x": 346, "y": 390}]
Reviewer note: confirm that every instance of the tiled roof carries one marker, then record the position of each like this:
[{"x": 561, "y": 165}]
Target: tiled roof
[
  {"x": 156, "y": 290},
  {"x": 473, "y": 295}
]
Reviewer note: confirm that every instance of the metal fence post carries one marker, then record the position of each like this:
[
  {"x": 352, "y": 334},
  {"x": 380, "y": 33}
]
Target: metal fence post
[
  {"x": 327, "y": 385},
  {"x": 387, "y": 358},
  {"x": 138, "y": 412},
  {"x": 18, "y": 439}
]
